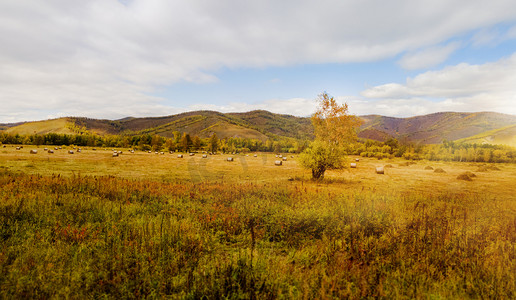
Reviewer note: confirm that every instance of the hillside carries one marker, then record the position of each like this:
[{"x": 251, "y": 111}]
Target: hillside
[
  {"x": 504, "y": 135},
  {"x": 434, "y": 128},
  {"x": 481, "y": 127},
  {"x": 61, "y": 125},
  {"x": 254, "y": 125}
]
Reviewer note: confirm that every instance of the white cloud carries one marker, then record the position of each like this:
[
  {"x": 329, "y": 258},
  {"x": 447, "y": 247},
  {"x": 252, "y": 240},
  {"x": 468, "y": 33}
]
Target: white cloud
[
  {"x": 428, "y": 57},
  {"x": 464, "y": 87},
  {"x": 105, "y": 57}
]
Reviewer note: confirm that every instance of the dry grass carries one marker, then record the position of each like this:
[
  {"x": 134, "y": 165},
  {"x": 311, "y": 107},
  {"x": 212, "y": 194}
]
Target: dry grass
[{"x": 90, "y": 225}]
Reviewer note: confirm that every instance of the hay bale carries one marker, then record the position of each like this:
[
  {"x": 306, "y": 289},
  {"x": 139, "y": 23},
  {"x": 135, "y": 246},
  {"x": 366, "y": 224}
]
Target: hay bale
[
  {"x": 284, "y": 158},
  {"x": 192, "y": 154},
  {"x": 465, "y": 176},
  {"x": 230, "y": 159},
  {"x": 278, "y": 162},
  {"x": 50, "y": 151},
  {"x": 94, "y": 149},
  {"x": 482, "y": 169},
  {"x": 18, "y": 148},
  {"x": 429, "y": 168},
  {"x": 357, "y": 159},
  {"x": 380, "y": 170},
  {"x": 439, "y": 170},
  {"x": 162, "y": 153},
  {"x": 55, "y": 148},
  {"x": 204, "y": 156},
  {"x": 70, "y": 151},
  {"x": 353, "y": 165},
  {"x": 33, "y": 151},
  {"x": 45, "y": 149},
  {"x": 256, "y": 155},
  {"x": 180, "y": 156},
  {"x": 115, "y": 154}
]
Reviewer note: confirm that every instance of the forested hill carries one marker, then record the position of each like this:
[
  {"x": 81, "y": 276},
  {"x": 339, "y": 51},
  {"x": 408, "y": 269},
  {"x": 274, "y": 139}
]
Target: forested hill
[{"x": 481, "y": 127}]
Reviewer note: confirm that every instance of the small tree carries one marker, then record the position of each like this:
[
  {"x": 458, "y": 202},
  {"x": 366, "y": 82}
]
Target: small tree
[
  {"x": 333, "y": 127},
  {"x": 213, "y": 143}
]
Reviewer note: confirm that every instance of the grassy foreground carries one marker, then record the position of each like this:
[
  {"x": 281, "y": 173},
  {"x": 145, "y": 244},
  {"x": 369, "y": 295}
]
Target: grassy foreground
[{"x": 235, "y": 232}]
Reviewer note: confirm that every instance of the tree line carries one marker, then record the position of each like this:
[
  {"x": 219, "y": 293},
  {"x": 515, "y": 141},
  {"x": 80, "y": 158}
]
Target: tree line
[
  {"x": 447, "y": 151},
  {"x": 178, "y": 142}
]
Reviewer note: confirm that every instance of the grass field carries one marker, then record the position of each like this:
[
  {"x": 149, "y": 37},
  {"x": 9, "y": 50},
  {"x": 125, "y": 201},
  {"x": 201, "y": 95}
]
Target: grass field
[{"x": 146, "y": 225}]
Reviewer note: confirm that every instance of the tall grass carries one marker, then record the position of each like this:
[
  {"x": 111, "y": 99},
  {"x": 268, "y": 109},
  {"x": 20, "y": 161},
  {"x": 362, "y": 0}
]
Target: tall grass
[{"x": 105, "y": 236}]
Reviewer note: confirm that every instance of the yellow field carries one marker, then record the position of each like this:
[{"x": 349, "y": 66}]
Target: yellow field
[
  {"x": 247, "y": 168},
  {"x": 90, "y": 225}
]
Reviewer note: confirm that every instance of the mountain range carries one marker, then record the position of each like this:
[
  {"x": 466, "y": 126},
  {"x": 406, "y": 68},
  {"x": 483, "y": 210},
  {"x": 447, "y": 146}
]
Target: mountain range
[{"x": 479, "y": 127}]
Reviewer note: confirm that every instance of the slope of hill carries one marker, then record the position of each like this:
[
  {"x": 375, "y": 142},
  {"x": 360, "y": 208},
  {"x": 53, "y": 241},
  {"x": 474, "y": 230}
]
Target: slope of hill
[
  {"x": 61, "y": 125},
  {"x": 482, "y": 127},
  {"x": 505, "y": 135},
  {"x": 434, "y": 128}
]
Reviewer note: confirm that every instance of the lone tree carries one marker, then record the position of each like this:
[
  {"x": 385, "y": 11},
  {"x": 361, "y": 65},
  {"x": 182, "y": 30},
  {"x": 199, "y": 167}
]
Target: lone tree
[{"x": 333, "y": 127}]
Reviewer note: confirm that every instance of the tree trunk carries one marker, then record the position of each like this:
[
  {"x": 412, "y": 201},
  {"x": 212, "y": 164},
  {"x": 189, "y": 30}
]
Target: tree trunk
[{"x": 318, "y": 173}]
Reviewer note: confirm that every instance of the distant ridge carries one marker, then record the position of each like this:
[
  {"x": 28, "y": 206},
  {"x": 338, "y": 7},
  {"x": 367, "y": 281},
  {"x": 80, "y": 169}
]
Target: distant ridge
[{"x": 479, "y": 127}]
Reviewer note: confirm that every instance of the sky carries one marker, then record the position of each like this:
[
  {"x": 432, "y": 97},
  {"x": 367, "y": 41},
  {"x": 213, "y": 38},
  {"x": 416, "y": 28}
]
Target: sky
[{"x": 112, "y": 59}]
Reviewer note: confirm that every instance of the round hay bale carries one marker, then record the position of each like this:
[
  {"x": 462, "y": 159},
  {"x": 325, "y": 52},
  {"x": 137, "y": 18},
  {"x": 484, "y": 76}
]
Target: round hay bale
[
  {"x": 55, "y": 148},
  {"x": 278, "y": 162},
  {"x": 45, "y": 149},
  {"x": 284, "y": 158},
  {"x": 357, "y": 159},
  {"x": 464, "y": 176},
  {"x": 429, "y": 168},
  {"x": 115, "y": 154},
  {"x": 70, "y": 151},
  {"x": 192, "y": 154},
  {"x": 18, "y": 148},
  {"x": 180, "y": 156},
  {"x": 204, "y": 156},
  {"x": 33, "y": 151},
  {"x": 230, "y": 159},
  {"x": 50, "y": 151},
  {"x": 94, "y": 149},
  {"x": 482, "y": 169},
  {"x": 256, "y": 155},
  {"x": 439, "y": 170},
  {"x": 380, "y": 170},
  {"x": 353, "y": 165}
]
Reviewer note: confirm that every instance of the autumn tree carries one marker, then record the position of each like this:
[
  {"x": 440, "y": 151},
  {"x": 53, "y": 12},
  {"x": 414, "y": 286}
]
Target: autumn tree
[
  {"x": 333, "y": 127},
  {"x": 186, "y": 142},
  {"x": 213, "y": 143},
  {"x": 196, "y": 142}
]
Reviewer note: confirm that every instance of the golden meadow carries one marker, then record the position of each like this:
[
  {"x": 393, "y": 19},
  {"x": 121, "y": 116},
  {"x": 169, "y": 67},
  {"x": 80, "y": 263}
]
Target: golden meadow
[{"x": 145, "y": 225}]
